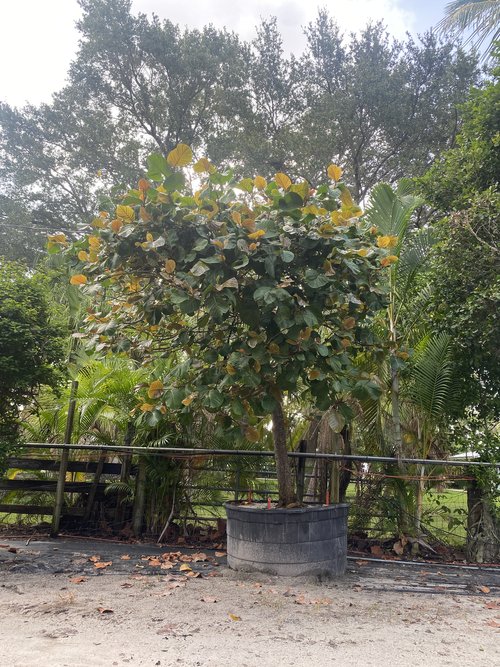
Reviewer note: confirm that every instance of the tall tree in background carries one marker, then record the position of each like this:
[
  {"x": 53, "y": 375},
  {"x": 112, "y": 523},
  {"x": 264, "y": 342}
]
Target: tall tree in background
[
  {"x": 481, "y": 18},
  {"x": 379, "y": 107}
]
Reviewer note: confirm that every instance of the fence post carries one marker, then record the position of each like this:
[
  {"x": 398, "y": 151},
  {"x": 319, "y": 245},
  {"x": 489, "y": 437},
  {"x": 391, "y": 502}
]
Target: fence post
[
  {"x": 301, "y": 471},
  {"x": 63, "y": 468},
  {"x": 140, "y": 497}
]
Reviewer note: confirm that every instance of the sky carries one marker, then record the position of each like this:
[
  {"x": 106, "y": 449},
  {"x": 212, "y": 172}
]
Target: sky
[{"x": 38, "y": 38}]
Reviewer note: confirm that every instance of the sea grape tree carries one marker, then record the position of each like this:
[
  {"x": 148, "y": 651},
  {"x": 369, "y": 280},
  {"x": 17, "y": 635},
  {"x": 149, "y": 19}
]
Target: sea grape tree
[{"x": 263, "y": 290}]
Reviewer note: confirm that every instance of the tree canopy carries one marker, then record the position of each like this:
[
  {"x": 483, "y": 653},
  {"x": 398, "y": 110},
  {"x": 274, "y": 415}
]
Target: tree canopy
[{"x": 378, "y": 107}]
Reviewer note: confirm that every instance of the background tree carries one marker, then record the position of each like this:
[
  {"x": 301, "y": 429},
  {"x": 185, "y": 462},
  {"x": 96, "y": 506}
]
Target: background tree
[
  {"x": 30, "y": 346},
  {"x": 138, "y": 85}
]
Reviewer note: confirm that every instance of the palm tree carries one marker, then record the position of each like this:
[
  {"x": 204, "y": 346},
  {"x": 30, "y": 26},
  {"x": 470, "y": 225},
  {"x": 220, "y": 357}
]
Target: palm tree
[{"x": 480, "y": 17}]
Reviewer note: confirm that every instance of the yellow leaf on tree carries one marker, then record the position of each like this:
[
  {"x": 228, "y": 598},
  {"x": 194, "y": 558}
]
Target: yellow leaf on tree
[
  {"x": 147, "y": 407},
  {"x": 282, "y": 180},
  {"x": 83, "y": 256},
  {"x": 203, "y": 165},
  {"x": 373, "y": 229},
  {"x": 125, "y": 212},
  {"x": 155, "y": 389},
  {"x": 349, "y": 323},
  {"x": 362, "y": 252},
  {"x": 387, "y": 261},
  {"x": 188, "y": 400},
  {"x": 93, "y": 255},
  {"x": 334, "y": 172},
  {"x": 257, "y": 234},
  {"x": 144, "y": 185},
  {"x": 149, "y": 237},
  {"x": 230, "y": 369},
  {"x": 273, "y": 348},
  {"x": 260, "y": 182},
  {"x": 78, "y": 279},
  {"x": 57, "y": 238},
  {"x": 253, "y": 246},
  {"x": 387, "y": 241},
  {"x": 249, "y": 224},
  {"x": 251, "y": 434},
  {"x": 170, "y": 266},
  {"x": 314, "y": 374},
  {"x": 116, "y": 225},
  {"x": 94, "y": 242},
  {"x": 180, "y": 156},
  {"x": 236, "y": 217},
  {"x": 144, "y": 215}
]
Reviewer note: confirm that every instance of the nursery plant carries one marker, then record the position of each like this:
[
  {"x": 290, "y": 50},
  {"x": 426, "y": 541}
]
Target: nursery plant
[{"x": 264, "y": 290}]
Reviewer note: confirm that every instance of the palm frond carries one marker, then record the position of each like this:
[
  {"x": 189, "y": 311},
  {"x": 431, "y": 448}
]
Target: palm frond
[
  {"x": 389, "y": 212},
  {"x": 480, "y": 17},
  {"x": 432, "y": 376}
]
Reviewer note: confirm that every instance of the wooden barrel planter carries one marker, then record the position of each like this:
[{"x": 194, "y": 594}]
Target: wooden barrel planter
[{"x": 289, "y": 542}]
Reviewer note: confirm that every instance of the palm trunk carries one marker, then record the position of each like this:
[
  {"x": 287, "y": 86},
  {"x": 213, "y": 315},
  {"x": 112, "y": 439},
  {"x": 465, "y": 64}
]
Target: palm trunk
[
  {"x": 285, "y": 481},
  {"x": 419, "y": 501}
]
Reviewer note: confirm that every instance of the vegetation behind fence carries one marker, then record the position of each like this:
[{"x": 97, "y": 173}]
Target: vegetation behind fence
[{"x": 180, "y": 492}]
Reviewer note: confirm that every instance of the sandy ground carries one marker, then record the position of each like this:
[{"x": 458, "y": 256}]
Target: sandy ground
[{"x": 118, "y": 617}]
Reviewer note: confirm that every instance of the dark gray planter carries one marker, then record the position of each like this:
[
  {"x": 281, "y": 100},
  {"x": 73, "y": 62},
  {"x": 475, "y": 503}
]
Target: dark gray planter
[{"x": 289, "y": 542}]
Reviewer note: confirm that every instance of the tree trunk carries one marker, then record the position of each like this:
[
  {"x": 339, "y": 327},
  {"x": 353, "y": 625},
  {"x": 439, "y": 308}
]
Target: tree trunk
[
  {"x": 419, "y": 502},
  {"x": 285, "y": 480},
  {"x": 483, "y": 527}
]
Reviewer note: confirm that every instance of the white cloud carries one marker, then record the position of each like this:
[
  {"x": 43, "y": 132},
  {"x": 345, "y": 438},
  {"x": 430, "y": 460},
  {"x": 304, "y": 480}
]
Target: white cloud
[{"x": 39, "y": 38}]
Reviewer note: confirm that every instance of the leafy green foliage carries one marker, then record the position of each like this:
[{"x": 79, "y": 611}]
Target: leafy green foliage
[
  {"x": 30, "y": 346},
  {"x": 261, "y": 291}
]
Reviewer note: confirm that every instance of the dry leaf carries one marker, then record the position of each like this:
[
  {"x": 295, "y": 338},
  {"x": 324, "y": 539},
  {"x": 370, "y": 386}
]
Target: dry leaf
[
  {"x": 233, "y": 617},
  {"x": 362, "y": 562},
  {"x": 154, "y": 562},
  {"x": 101, "y": 564},
  {"x": 95, "y": 559},
  {"x": 194, "y": 575},
  {"x": 125, "y": 557},
  {"x": 104, "y": 610},
  {"x": 493, "y": 624},
  {"x": 495, "y": 604},
  {"x": 199, "y": 557},
  {"x": 220, "y": 554},
  {"x": 127, "y": 584},
  {"x": 77, "y": 580},
  {"x": 208, "y": 599},
  {"x": 185, "y": 568},
  {"x": 376, "y": 550},
  {"x": 484, "y": 589},
  {"x": 167, "y": 566}
]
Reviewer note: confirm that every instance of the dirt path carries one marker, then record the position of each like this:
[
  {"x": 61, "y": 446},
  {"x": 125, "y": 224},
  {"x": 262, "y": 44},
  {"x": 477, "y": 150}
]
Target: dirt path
[{"x": 129, "y": 614}]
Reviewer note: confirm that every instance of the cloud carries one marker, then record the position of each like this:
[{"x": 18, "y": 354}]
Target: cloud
[
  {"x": 41, "y": 39},
  {"x": 292, "y": 15}
]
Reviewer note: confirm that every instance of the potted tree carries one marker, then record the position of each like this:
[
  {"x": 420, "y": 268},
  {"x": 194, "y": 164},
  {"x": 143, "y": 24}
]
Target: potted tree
[{"x": 262, "y": 290}]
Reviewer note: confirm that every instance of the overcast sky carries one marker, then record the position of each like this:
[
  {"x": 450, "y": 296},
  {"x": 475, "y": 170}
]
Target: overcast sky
[{"x": 38, "y": 38}]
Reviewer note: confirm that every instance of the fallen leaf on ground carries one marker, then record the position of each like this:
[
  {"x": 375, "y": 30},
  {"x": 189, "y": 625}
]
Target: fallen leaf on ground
[
  {"x": 126, "y": 584},
  {"x": 220, "y": 554},
  {"x": 167, "y": 565},
  {"x": 101, "y": 564},
  {"x": 154, "y": 562},
  {"x": 484, "y": 589},
  {"x": 199, "y": 557},
  {"x": 125, "y": 557},
  {"x": 185, "y": 568},
  {"x": 13, "y": 550},
  {"x": 105, "y": 610},
  {"x": 208, "y": 599},
  {"x": 361, "y": 562},
  {"x": 176, "y": 584},
  {"x": 194, "y": 575},
  {"x": 233, "y": 617},
  {"x": 94, "y": 559},
  {"x": 495, "y": 604},
  {"x": 493, "y": 624},
  {"x": 77, "y": 580}
]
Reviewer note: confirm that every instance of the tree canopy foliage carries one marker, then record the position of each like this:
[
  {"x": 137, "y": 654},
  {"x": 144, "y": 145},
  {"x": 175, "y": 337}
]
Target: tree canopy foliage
[
  {"x": 30, "y": 345},
  {"x": 380, "y": 108}
]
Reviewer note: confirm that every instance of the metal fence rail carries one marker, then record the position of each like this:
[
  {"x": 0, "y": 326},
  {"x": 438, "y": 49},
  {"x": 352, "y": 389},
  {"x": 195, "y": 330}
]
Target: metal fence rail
[{"x": 38, "y": 483}]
